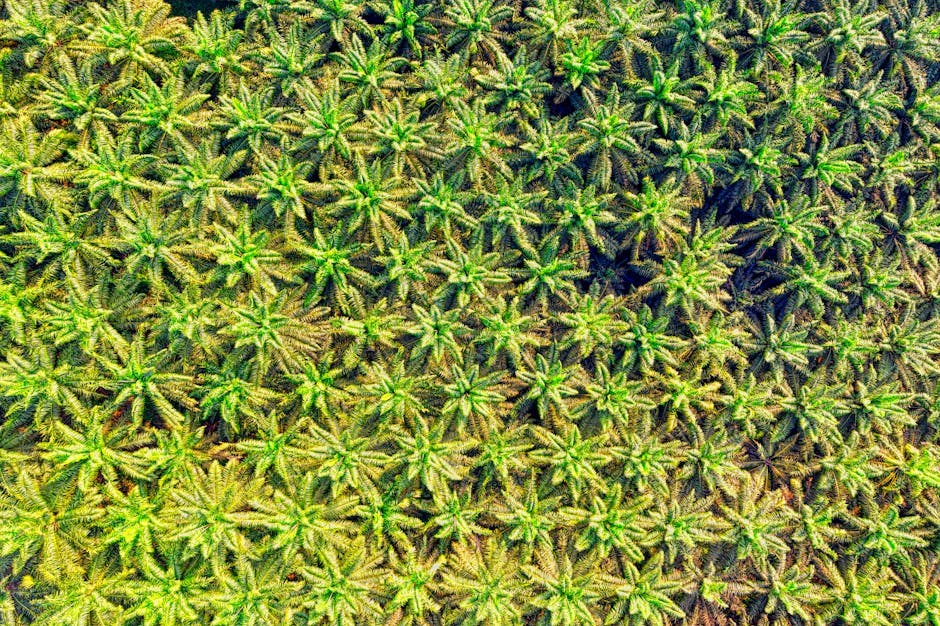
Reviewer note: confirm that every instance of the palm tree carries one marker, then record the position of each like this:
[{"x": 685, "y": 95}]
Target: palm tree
[
  {"x": 850, "y": 31},
  {"x": 370, "y": 205},
  {"x": 406, "y": 23},
  {"x": 29, "y": 509},
  {"x": 31, "y": 169},
  {"x": 404, "y": 139},
  {"x": 75, "y": 94},
  {"x": 775, "y": 36},
  {"x": 138, "y": 381},
  {"x": 336, "y": 17},
  {"x": 551, "y": 274},
  {"x": 133, "y": 35},
  {"x": 609, "y": 138},
  {"x": 643, "y": 595},
  {"x": 291, "y": 58},
  {"x": 370, "y": 70},
  {"x": 472, "y": 25},
  {"x": 275, "y": 330},
  {"x": 469, "y": 275},
  {"x": 329, "y": 264},
  {"x": 516, "y": 84},
  {"x": 548, "y": 26},
  {"x": 92, "y": 451},
  {"x": 41, "y": 29},
  {"x": 699, "y": 31},
  {"x": 564, "y": 590},
  {"x": 249, "y": 119},
  {"x": 215, "y": 45},
  {"x": 202, "y": 181},
  {"x": 582, "y": 65},
  {"x": 341, "y": 588},
  {"x": 572, "y": 459},
  {"x": 487, "y": 583},
  {"x": 324, "y": 123},
  {"x": 478, "y": 145}
]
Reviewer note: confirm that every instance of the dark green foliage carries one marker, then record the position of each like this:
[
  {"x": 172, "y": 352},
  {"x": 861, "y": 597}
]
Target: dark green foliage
[{"x": 470, "y": 312}]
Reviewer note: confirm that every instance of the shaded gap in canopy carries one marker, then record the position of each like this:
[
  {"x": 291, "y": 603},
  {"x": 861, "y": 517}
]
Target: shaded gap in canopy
[{"x": 189, "y": 8}]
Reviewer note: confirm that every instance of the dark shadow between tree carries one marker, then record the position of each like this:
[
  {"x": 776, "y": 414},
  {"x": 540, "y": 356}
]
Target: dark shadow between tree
[{"x": 189, "y": 8}]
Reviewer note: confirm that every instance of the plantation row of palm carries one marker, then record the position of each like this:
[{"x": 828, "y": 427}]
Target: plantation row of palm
[{"x": 561, "y": 312}]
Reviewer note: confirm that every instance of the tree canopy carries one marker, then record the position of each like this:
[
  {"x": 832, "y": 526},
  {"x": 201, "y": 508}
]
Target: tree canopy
[{"x": 459, "y": 312}]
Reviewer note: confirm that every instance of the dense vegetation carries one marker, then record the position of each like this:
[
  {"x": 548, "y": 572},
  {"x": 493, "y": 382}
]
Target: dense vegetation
[{"x": 497, "y": 312}]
